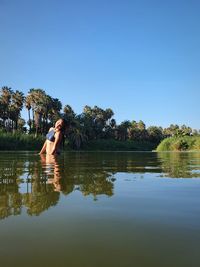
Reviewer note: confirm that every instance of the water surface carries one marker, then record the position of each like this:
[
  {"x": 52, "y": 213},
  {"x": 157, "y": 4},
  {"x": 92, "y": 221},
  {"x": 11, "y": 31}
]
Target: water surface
[{"x": 100, "y": 209}]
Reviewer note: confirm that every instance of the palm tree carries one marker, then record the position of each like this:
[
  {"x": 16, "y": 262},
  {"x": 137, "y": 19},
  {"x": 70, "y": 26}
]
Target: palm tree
[
  {"x": 108, "y": 114},
  {"x": 21, "y": 124},
  {"x": 31, "y": 103},
  {"x": 56, "y": 107},
  {"x": 28, "y": 104},
  {"x": 155, "y": 134},
  {"x": 69, "y": 114},
  {"x": 5, "y": 100},
  {"x": 36, "y": 101},
  {"x": 185, "y": 130},
  {"x": 44, "y": 108},
  {"x": 113, "y": 123},
  {"x": 77, "y": 138},
  {"x": 141, "y": 125},
  {"x": 122, "y": 130},
  {"x": 17, "y": 102},
  {"x": 87, "y": 110}
]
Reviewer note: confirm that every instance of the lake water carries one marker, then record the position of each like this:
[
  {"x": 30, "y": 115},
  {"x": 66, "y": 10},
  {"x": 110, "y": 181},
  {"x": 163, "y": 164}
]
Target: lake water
[{"x": 120, "y": 209}]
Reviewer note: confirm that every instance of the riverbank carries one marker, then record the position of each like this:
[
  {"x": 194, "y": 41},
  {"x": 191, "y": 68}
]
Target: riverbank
[
  {"x": 115, "y": 145},
  {"x": 10, "y": 141},
  {"x": 18, "y": 141},
  {"x": 186, "y": 143}
]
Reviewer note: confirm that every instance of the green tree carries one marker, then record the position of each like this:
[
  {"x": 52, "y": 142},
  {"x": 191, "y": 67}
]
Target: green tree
[
  {"x": 77, "y": 137},
  {"x": 155, "y": 134},
  {"x": 28, "y": 105},
  {"x": 45, "y": 110},
  {"x": 16, "y": 105},
  {"x": 96, "y": 121},
  {"x": 122, "y": 130},
  {"x": 5, "y": 100},
  {"x": 69, "y": 114},
  {"x": 172, "y": 130}
]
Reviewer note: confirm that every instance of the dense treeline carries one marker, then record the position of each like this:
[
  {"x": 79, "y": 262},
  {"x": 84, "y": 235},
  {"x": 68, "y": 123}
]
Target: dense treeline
[{"x": 94, "y": 123}]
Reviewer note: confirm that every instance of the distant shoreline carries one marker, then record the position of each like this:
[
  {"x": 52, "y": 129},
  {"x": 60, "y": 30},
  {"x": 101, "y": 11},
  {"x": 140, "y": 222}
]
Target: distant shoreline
[{"x": 25, "y": 142}]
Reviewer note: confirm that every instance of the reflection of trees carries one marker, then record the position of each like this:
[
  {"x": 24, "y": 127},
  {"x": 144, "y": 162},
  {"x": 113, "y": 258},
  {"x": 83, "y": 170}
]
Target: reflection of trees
[
  {"x": 76, "y": 176},
  {"x": 180, "y": 165},
  {"x": 93, "y": 173},
  {"x": 44, "y": 180},
  {"x": 38, "y": 196},
  {"x": 10, "y": 198},
  {"x": 111, "y": 162},
  {"x": 39, "y": 201},
  {"x": 41, "y": 195},
  {"x": 97, "y": 186},
  {"x": 26, "y": 180},
  {"x": 10, "y": 204}
]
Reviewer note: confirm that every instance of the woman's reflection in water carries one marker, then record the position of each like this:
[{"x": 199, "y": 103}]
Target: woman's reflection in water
[{"x": 52, "y": 169}]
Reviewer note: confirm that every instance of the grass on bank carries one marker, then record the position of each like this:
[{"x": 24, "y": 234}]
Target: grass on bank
[
  {"x": 115, "y": 145},
  {"x": 185, "y": 143},
  {"x": 19, "y": 141}
]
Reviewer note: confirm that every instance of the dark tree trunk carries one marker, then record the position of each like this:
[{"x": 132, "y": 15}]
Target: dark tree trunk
[{"x": 29, "y": 118}]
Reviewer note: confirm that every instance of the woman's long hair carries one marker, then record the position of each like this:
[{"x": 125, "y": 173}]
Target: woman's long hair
[{"x": 64, "y": 131}]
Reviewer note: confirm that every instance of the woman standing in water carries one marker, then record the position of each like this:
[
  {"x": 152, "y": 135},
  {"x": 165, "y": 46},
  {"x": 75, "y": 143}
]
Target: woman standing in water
[{"x": 52, "y": 145}]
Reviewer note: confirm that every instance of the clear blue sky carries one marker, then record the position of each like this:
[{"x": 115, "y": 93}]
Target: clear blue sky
[{"x": 139, "y": 57}]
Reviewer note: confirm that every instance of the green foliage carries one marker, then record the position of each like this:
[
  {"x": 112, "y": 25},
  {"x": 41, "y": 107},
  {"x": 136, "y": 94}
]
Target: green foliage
[
  {"x": 20, "y": 141},
  {"x": 92, "y": 125},
  {"x": 11, "y": 104},
  {"x": 115, "y": 145},
  {"x": 178, "y": 131},
  {"x": 185, "y": 143},
  {"x": 196, "y": 145},
  {"x": 45, "y": 110},
  {"x": 180, "y": 145}
]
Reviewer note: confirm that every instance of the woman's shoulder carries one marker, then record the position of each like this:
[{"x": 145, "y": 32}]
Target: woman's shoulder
[{"x": 51, "y": 129}]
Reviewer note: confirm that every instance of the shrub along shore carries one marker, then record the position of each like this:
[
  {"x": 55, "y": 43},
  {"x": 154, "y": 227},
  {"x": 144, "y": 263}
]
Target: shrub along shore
[{"x": 185, "y": 143}]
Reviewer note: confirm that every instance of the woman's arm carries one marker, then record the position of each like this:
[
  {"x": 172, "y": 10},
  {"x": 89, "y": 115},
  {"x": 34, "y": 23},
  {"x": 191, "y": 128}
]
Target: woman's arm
[{"x": 43, "y": 150}]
